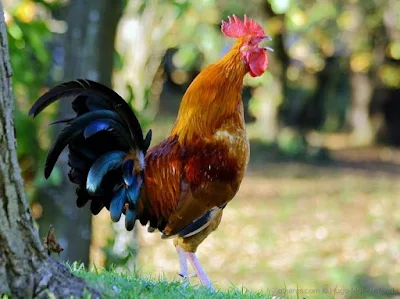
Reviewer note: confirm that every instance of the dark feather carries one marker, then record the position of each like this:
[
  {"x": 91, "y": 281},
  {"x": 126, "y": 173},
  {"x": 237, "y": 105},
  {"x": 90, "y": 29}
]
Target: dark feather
[
  {"x": 82, "y": 149},
  {"x": 83, "y": 197},
  {"x": 147, "y": 141},
  {"x": 62, "y": 91},
  {"x": 94, "y": 103},
  {"x": 82, "y": 87},
  {"x": 133, "y": 192},
  {"x": 128, "y": 172},
  {"x": 76, "y": 176},
  {"x": 103, "y": 164},
  {"x": 199, "y": 224},
  {"x": 117, "y": 204},
  {"x": 77, "y": 161},
  {"x": 97, "y": 126},
  {"x": 101, "y": 135},
  {"x": 69, "y": 132},
  {"x": 116, "y": 128},
  {"x": 130, "y": 218},
  {"x": 96, "y": 206},
  {"x": 60, "y": 121}
]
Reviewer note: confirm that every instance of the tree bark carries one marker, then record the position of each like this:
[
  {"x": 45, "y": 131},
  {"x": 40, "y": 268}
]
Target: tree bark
[
  {"x": 25, "y": 270},
  {"x": 274, "y": 113},
  {"x": 142, "y": 64},
  {"x": 361, "y": 95},
  {"x": 89, "y": 54}
]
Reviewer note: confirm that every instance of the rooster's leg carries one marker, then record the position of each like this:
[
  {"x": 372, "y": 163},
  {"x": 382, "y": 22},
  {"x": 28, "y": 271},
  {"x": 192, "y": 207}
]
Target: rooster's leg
[
  {"x": 184, "y": 271},
  {"x": 204, "y": 280}
]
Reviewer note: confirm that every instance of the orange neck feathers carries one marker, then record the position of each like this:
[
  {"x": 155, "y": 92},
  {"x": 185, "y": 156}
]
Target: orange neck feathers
[{"x": 212, "y": 98}]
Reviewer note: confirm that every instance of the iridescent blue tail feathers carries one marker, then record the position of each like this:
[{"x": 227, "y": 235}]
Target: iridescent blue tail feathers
[{"x": 106, "y": 147}]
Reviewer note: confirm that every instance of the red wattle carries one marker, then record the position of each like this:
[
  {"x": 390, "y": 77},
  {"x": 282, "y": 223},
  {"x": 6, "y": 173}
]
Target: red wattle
[{"x": 258, "y": 62}]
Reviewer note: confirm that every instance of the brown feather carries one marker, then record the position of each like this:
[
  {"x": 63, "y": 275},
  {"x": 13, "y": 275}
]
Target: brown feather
[
  {"x": 202, "y": 163},
  {"x": 164, "y": 165}
]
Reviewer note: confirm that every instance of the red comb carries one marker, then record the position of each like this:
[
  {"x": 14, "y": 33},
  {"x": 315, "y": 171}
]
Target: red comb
[{"x": 236, "y": 28}]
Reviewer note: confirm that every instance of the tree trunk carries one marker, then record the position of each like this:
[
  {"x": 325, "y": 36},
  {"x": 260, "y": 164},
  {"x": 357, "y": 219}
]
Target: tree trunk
[
  {"x": 89, "y": 54},
  {"x": 278, "y": 110},
  {"x": 385, "y": 105},
  {"x": 25, "y": 270},
  {"x": 144, "y": 18},
  {"x": 361, "y": 94}
]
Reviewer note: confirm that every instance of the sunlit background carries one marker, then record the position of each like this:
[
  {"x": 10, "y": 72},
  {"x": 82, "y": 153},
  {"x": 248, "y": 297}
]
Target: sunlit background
[{"x": 319, "y": 206}]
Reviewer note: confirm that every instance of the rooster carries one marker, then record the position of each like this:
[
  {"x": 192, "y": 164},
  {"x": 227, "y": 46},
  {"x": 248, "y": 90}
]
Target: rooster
[{"x": 180, "y": 186}]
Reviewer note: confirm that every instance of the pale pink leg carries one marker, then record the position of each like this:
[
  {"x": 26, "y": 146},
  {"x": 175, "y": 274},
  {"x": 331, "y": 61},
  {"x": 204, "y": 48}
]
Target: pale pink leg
[
  {"x": 184, "y": 270},
  {"x": 204, "y": 280}
]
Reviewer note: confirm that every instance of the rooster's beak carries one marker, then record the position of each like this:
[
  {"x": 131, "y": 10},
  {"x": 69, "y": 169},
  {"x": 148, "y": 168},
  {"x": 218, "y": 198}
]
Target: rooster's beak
[
  {"x": 269, "y": 49},
  {"x": 267, "y": 38}
]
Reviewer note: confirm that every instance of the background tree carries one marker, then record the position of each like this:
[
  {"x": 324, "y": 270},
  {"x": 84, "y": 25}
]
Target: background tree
[
  {"x": 25, "y": 270},
  {"x": 86, "y": 50}
]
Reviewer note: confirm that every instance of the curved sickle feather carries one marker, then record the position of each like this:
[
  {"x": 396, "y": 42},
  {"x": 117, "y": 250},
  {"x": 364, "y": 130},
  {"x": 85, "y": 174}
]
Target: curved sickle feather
[
  {"x": 82, "y": 87},
  {"x": 147, "y": 140},
  {"x": 133, "y": 192},
  {"x": 96, "y": 126},
  {"x": 130, "y": 218},
  {"x": 117, "y": 204},
  {"x": 127, "y": 173},
  {"x": 105, "y": 163},
  {"x": 69, "y": 132},
  {"x": 109, "y": 124}
]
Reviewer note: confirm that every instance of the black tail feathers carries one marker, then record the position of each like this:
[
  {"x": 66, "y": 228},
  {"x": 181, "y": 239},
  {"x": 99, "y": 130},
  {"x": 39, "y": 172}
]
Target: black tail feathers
[{"x": 106, "y": 147}]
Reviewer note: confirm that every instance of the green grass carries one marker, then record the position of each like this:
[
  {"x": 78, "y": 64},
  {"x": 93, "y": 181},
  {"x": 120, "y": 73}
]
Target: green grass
[{"x": 128, "y": 285}]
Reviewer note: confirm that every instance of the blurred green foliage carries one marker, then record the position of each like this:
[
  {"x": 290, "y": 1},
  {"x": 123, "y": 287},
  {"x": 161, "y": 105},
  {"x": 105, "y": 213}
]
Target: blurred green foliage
[
  {"x": 307, "y": 87},
  {"x": 28, "y": 41}
]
